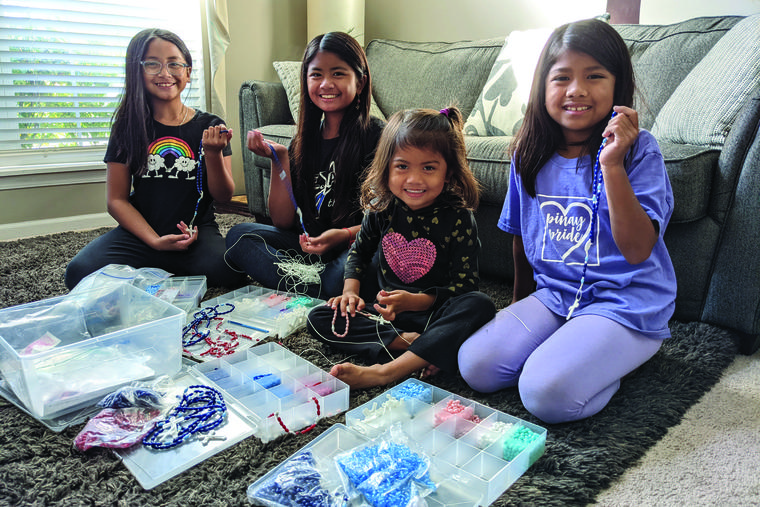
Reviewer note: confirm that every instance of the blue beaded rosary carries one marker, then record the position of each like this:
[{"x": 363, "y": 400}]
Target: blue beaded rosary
[
  {"x": 284, "y": 178},
  {"x": 198, "y": 185},
  {"x": 596, "y": 189},
  {"x": 204, "y": 315},
  {"x": 200, "y": 410}
]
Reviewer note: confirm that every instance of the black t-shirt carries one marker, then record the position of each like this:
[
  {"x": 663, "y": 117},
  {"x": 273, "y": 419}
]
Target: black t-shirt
[
  {"x": 168, "y": 191},
  {"x": 324, "y": 181}
]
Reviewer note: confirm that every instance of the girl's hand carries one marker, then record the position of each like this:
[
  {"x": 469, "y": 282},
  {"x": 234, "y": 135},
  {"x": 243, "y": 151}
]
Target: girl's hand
[
  {"x": 390, "y": 304},
  {"x": 216, "y": 138},
  {"x": 260, "y": 146},
  {"x": 177, "y": 242},
  {"x": 323, "y": 243},
  {"x": 349, "y": 302},
  {"x": 621, "y": 133}
]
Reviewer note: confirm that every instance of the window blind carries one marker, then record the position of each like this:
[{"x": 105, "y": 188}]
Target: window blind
[{"x": 62, "y": 66}]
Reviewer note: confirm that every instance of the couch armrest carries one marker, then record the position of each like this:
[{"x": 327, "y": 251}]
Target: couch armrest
[
  {"x": 733, "y": 298},
  {"x": 261, "y": 103}
]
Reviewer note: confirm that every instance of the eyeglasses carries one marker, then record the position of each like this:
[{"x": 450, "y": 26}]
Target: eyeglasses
[{"x": 152, "y": 67}]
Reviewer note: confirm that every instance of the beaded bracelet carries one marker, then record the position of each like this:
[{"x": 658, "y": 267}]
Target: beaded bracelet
[{"x": 277, "y": 417}]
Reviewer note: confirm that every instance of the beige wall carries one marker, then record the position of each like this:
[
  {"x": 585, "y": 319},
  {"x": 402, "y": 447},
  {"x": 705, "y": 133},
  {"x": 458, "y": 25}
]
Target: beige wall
[{"x": 263, "y": 31}]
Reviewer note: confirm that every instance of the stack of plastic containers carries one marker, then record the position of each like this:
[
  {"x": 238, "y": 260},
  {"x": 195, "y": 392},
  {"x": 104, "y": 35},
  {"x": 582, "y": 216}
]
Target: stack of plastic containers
[{"x": 62, "y": 354}]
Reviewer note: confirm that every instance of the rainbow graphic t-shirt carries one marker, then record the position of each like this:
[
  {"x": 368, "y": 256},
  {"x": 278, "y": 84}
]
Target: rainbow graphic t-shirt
[
  {"x": 167, "y": 191},
  {"x": 170, "y": 157}
]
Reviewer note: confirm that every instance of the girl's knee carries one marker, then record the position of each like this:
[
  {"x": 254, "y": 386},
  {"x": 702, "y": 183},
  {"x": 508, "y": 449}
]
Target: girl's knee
[
  {"x": 481, "y": 369},
  {"x": 549, "y": 399}
]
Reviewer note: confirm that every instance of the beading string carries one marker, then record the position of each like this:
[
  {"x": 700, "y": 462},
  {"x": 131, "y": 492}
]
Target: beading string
[
  {"x": 288, "y": 186},
  {"x": 200, "y": 410},
  {"x": 296, "y": 271},
  {"x": 596, "y": 190}
]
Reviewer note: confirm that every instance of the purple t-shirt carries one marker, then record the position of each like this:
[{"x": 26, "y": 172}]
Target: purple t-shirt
[{"x": 555, "y": 225}]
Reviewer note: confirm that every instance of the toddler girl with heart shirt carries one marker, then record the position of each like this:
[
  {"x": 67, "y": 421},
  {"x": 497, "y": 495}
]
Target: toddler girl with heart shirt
[{"x": 419, "y": 194}]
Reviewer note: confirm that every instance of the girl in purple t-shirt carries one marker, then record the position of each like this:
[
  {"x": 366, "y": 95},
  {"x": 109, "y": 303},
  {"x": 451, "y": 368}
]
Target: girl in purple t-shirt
[{"x": 588, "y": 203}]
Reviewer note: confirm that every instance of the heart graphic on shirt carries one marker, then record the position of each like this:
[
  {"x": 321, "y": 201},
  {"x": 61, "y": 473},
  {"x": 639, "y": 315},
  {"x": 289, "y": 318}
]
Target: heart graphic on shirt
[
  {"x": 566, "y": 228},
  {"x": 410, "y": 260}
]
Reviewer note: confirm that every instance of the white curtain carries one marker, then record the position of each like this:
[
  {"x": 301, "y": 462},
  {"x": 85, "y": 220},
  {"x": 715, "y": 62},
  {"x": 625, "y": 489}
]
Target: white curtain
[{"x": 217, "y": 29}]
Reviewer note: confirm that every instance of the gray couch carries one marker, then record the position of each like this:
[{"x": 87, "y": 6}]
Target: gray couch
[{"x": 715, "y": 228}]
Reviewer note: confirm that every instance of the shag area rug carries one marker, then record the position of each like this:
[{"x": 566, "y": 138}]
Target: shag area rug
[{"x": 41, "y": 467}]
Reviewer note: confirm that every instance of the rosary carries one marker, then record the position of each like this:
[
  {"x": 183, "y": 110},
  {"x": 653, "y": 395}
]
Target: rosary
[
  {"x": 200, "y": 410},
  {"x": 596, "y": 188},
  {"x": 288, "y": 185},
  {"x": 199, "y": 184}
]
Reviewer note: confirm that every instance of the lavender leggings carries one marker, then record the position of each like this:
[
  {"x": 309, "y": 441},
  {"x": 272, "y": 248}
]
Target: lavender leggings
[{"x": 564, "y": 370}]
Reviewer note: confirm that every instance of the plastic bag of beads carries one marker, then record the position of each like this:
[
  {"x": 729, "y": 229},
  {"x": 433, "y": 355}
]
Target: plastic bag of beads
[
  {"x": 298, "y": 482},
  {"x": 115, "y": 274},
  {"x": 387, "y": 472},
  {"x": 117, "y": 428},
  {"x": 138, "y": 395}
]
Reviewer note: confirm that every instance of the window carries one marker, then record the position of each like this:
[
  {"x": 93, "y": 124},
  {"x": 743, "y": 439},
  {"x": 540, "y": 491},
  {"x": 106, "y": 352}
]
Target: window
[{"x": 62, "y": 69}]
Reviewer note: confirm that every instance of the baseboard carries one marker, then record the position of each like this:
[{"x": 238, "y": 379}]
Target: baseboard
[{"x": 31, "y": 228}]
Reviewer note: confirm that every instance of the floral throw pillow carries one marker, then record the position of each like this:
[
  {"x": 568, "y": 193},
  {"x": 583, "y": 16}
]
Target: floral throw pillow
[{"x": 501, "y": 106}]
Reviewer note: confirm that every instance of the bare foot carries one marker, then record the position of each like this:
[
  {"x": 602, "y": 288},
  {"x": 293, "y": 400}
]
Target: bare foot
[
  {"x": 429, "y": 371},
  {"x": 360, "y": 377}
]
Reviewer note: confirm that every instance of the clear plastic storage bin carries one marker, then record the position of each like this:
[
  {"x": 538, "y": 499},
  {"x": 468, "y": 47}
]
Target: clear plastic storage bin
[{"x": 62, "y": 354}]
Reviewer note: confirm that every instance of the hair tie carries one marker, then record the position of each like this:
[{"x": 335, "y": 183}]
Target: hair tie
[{"x": 445, "y": 111}]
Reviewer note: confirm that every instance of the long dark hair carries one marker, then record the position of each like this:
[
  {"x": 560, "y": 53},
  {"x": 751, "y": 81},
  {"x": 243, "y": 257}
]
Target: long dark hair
[
  {"x": 438, "y": 131},
  {"x": 351, "y": 149},
  {"x": 540, "y": 136},
  {"x": 132, "y": 122}
]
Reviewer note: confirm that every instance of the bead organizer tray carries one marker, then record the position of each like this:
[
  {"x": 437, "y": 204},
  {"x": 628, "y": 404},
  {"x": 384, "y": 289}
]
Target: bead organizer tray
[
  {"x": 241, "y": 318},
  {"x": 476, "y": 453},
  {"x": 281, "y": 391},
  {"x": 266, "y": 389},
  {"x": 184, "y": 292}
]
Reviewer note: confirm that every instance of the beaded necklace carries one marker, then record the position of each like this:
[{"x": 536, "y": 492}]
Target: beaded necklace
[
  {"x": 200, "y": 410},
  {"x": 596, "y": 190},
  {"x": 288, "y": 186},
  {"x": 198, "y": 185}
]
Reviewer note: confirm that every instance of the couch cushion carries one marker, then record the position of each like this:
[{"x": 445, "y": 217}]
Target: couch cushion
[
  {"x": 663, "y": 55},
  {"x": 699, "y": 114},
  {"x": 691, "y": 170},
  {"x": 290, "y": 77},
  {"x": 489, "y": 161},
  {"x": 430, "y": 74},
  {"x": 501, "y": 105}
]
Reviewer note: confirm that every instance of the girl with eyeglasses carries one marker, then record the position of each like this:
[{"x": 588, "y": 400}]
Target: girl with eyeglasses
[{"x": 166, "y": 165}]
